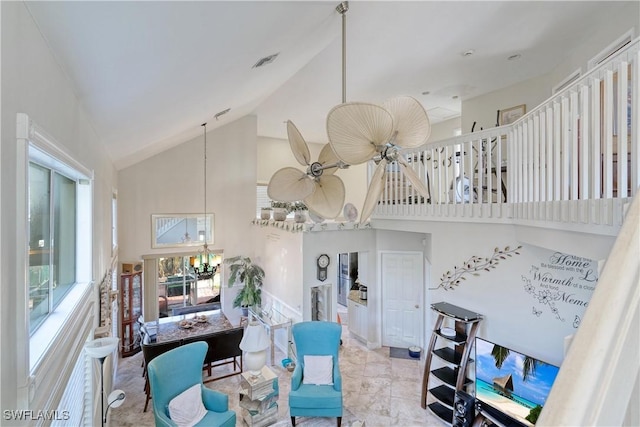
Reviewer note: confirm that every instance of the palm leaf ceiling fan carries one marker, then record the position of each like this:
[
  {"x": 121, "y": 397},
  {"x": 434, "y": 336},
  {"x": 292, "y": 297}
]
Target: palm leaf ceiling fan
[
  {"x": 322, "y": 191},
  {"x": 358, "y": 132}
]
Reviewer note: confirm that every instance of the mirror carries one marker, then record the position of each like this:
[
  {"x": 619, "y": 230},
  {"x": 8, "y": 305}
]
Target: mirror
[
  {"x": 181, "y": 230},
  {"x": 347, "y": 275}
]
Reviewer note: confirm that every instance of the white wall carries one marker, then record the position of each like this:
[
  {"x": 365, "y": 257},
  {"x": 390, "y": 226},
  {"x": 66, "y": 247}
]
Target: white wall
[
  {"x": 33, "y": 83},
  {"x": 274, "y": 154},
  {"x": 172, "y": 182},
  {"x": 279, "y": 252},
  {"x": 482, "y": 109},
  {"x": 500, "y": 294},
  {"x": 445, "y": 129},
  {"x": 620, "y": 19},
  {"x": 333, "y": 243}
]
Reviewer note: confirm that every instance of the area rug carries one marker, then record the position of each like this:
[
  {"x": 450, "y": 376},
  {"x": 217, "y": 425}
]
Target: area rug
[{"x": 399, "y": 353}]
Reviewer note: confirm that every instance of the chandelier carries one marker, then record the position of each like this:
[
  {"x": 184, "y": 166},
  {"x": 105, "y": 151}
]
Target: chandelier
[{"x": 202, "y": 263}]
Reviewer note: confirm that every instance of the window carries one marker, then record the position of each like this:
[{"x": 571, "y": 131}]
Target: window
[
  {"x": 54, "y": 261},
  {"x": 567, "y": 81},
  {"x": 178, "y": 286},
  {"x": 114, "y": 223},
  {"x": 263, "y": 200},
  {"x": 52, "y": 240}
]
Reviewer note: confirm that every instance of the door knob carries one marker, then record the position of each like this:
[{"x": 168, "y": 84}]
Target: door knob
[{"x": 417, "y": 306}]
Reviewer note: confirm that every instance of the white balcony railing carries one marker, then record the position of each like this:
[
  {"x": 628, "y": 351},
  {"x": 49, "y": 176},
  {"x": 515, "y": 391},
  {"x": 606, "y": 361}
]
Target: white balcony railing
[{"x": 572, "y": 162}]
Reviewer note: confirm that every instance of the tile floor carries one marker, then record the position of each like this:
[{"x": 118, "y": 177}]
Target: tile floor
[{"x": 377, "y": 389}]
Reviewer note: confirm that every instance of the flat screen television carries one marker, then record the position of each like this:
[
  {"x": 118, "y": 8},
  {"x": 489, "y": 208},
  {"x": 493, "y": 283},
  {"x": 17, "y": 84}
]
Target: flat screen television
[{"x": 511, "y": 382}]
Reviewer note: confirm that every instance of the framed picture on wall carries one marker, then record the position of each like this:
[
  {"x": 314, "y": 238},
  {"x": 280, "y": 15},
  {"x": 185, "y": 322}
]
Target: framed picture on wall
[
  {"x": 510, "y": 115},
  {"x": 174, "y": 230}
]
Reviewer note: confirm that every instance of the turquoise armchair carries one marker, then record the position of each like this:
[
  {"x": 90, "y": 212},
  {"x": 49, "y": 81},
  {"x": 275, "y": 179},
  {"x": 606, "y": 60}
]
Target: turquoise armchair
[
  {"x": 175, "y": 371},
  {"x": 310, "y": 400}
]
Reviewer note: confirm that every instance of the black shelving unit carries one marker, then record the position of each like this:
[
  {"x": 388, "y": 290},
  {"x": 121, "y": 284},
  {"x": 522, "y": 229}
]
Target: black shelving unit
[{"x": 452, "y": 356}]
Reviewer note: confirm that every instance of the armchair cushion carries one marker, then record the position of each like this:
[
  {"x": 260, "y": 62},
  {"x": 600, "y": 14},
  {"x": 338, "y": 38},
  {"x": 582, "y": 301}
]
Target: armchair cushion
[
  {"x": 318, "y": 370},
  {"x": 311, "y": 396},
  {"x": 214, "y": 400},
  {"x": 187, "y": 409}
]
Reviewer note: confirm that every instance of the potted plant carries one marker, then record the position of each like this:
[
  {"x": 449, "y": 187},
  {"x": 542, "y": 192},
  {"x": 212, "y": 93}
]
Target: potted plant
[
  {"x": 265, "y": 213},
  {"x": 280, "y": 210},
  {"x": 243, "y": 270},
  {"x": 300, "y": 212}
]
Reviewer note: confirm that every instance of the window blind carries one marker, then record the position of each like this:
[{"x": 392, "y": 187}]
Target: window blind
[{"x": 75, "y": 405}]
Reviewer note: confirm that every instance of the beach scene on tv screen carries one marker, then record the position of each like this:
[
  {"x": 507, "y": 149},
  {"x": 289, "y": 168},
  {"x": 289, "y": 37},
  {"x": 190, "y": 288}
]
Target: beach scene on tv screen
[{"x": 516, "y": 385}]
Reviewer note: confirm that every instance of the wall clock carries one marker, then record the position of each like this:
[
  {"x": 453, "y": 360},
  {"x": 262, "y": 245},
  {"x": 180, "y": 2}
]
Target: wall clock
[{"x": 323, "y": 263}]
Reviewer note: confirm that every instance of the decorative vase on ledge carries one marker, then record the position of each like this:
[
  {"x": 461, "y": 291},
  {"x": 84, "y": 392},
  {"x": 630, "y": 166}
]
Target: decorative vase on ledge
[
  {"x": 300, "y": 216},
  {"x": 265, "y": 213},
  {"x": 280, "y": 210},
  {"x": 300, "y": 212},
  {"x": 279, "y": 214}
]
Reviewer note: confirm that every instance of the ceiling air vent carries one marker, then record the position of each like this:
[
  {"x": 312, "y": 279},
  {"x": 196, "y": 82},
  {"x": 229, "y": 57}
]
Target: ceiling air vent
[
  {"x": 266, "y": 60},
  {"x": 221, "y": 113},
  {"x": 441, "y": 113},
  {"x": 612, "y": 49}
]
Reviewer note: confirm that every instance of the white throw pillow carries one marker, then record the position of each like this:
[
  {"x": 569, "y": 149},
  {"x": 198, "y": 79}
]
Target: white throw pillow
[
  {"x": 318, "y": 370},
  {"x": 187, "y": 409}
]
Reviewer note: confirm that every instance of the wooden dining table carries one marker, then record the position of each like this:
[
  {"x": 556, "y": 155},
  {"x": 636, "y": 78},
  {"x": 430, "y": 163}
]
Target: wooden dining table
[{"x": 169, "y": 329}]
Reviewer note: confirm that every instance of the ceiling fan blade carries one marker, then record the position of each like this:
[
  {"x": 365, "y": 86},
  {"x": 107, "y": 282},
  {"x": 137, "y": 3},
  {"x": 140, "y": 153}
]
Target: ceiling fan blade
[
  {"x": 289, "y": 185},
  {"x": 410, "y": 120},
  {"x": 328, "y": 198},
  {"x": 375, "y": 189},
  {"x": 328, "y": 157},
  {"x": 298, "y": 144},
  {"x": 414, "y": 179},
  {"x": 355, "y": 129}
]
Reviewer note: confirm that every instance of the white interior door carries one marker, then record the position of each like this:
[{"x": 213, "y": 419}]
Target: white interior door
[{"x": 402, "y": 288}]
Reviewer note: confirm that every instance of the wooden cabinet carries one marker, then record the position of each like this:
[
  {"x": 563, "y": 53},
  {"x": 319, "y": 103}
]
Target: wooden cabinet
[
  {"x": 445, "y": 370},
  {"x": 130, "y": 310},
  {"x": 358, "y": 317}
]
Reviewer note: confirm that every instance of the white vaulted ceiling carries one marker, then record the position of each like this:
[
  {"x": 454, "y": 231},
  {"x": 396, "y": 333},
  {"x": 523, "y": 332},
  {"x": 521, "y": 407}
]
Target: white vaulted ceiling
[{"x": 149, "y": 73}]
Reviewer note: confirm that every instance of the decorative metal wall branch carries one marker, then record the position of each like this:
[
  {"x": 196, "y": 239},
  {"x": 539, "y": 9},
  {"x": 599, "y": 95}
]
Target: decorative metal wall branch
[{"x": 474, "y": 266}]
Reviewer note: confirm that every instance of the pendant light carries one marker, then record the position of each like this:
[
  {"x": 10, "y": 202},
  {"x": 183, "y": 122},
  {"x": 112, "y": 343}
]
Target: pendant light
[{"x": 203, "y": 269}]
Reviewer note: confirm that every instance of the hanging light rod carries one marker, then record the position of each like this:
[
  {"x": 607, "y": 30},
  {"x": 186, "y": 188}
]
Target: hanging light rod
[
  {"x": 203, "y": 269},
  {"x": 342, "y": 9}
]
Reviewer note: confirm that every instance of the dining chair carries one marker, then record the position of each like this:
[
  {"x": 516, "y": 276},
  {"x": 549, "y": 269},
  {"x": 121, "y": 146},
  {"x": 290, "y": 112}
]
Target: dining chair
[
  {"x": 173, "y": 374},
  {"x": 316, "y": 383},
  {"x": 149, "y": 352}
]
